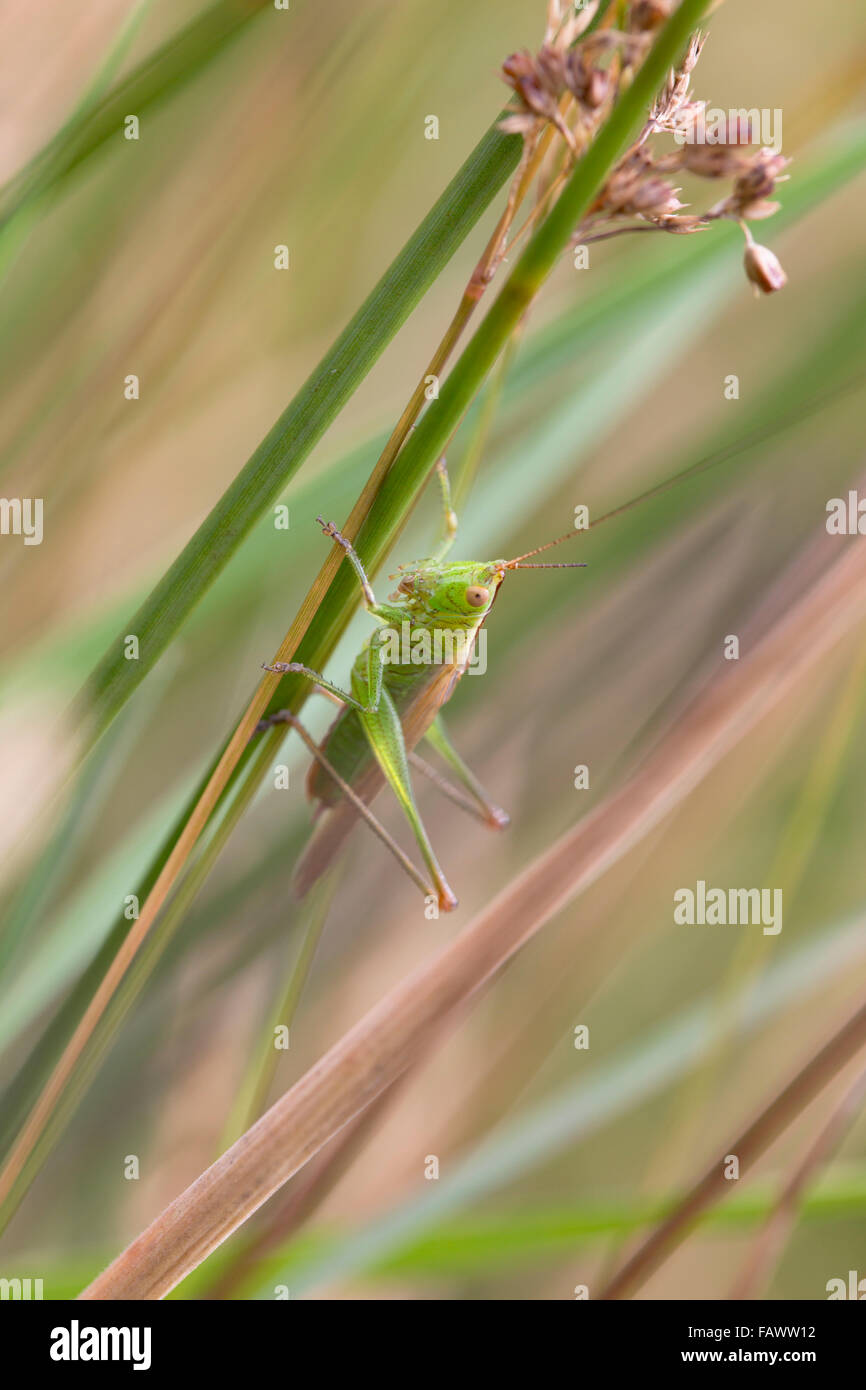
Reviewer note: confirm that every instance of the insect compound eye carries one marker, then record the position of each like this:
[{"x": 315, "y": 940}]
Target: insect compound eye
[{"x": 477, "y": 596}]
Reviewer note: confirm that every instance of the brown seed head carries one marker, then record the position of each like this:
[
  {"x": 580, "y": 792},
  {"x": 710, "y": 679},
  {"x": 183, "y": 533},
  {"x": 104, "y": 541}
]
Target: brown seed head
[
  {"x": 534, "y": 81},
  {"x": 588, "y": 84},
  {"x": 714, "y": 161},
  {"x": 759, "y": 180}
]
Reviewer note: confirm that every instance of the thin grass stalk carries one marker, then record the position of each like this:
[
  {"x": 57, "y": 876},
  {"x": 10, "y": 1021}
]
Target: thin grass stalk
[
  {"x": 361, "y": 1066},
  {"x": 821, "y": 779},
  {"x": 785, "y": 1211},
  {"x": 253, "y": 1090},
  {"x": 26, "y": 188},
  {"x": 712, "y": 1186}
]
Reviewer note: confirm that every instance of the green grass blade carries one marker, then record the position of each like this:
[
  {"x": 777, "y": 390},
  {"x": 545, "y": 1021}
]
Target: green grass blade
[
  {"x": 502, "y": 1242},
  {"x": 96, "y": 122},
  {"x": 36, "y": 178},
  {"x": 480, "y": 1244}
]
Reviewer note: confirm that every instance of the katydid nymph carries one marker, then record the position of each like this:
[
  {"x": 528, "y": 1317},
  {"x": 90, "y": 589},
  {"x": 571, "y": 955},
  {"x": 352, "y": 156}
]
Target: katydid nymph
[
  {"x": 392, "y": 706},
  {"x": 394, "y": 703}
]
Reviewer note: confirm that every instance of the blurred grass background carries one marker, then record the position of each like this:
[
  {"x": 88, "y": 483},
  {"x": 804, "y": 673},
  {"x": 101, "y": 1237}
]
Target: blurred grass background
[{"x": 156, "y": 258}]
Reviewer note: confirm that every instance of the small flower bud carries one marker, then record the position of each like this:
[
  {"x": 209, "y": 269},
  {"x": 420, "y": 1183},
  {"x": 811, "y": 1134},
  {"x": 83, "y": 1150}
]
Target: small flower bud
[{"x": 763, "y": 268}]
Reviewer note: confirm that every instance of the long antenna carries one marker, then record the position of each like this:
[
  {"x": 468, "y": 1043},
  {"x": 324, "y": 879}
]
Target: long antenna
[
  {"x": 569, "y": 565},
  {"x": 702, "y": 466}
]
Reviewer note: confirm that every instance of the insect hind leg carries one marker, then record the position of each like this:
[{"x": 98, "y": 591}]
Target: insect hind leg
[{"x": 492, "y": 815}]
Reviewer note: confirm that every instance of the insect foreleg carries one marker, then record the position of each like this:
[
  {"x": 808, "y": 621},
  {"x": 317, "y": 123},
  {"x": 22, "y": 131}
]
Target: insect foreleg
[
  {"x": 354, "y": 560},
  {"x": 283, "y": 668},
  {"x": 385, "y": 612}
]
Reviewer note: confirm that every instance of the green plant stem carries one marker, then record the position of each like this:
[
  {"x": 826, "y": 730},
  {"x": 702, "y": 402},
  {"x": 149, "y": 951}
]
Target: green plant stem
[{"x": 253, "y": 1091}]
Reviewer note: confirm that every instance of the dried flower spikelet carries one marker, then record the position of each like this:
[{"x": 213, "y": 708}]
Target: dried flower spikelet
[
  {"x": 714, "y": 161},
  {"x": 737, "y": 131},
  {"x": 763, "y": 268},
  {"x": 674, "y": 96},
  {"x": 587, "y": 84},
  {"x": 655, "y": 198},
  {"x": 646, "y": 15},
  {"x": 569, "y": 61},
  {"x": 554, "y": 20},
  {"x": 685, "y": 120},
  {"x": 634, "y": 189},
  {"x": 722, "y": 157},
  {"x": 535, "y": 80},
  {"x": 750, "y": 198},
  {"x": 539, "y": 82},
  {"x": 693, "y": 52},
  {"x": 563, "y": 32},
  {"x": 682, "y": 225},
  {"x": 759, "y": 181}
]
